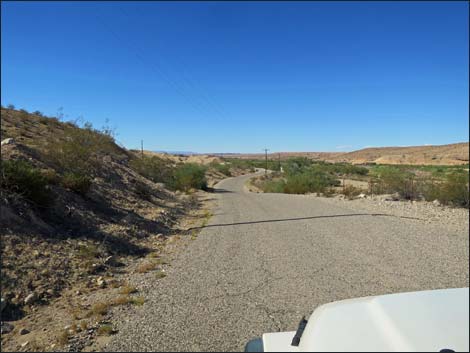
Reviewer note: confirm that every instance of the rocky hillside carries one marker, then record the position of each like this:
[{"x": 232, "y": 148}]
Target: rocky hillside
[{"x": 71, "y": 209}]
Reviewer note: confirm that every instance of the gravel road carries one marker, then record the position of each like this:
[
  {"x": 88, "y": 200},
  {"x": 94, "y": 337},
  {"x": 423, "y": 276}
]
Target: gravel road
[{"x": 265, "y": 260}]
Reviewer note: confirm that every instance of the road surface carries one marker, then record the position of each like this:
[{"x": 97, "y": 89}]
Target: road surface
[{"x": 265, "y": 260}]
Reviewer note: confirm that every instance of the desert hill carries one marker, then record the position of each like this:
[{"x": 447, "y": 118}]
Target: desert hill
[
  {"x": 70, "y": 203},
  {"x": 452, "y": 154}
]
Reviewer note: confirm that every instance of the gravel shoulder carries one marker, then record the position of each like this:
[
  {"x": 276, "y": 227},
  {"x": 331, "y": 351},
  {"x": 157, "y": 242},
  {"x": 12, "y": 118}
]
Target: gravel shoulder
[
  {"x": 452, "y": 219},
  {"x": 264, "y": 260}
]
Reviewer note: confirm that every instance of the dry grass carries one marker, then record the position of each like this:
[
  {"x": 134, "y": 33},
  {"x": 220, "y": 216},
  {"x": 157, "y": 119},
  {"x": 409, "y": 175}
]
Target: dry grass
[
  {"x": 138, "y": 301},
  {"x": 121, "y": 300},
  {"x": 127, "y": 289},
  {"x": 34, "y": 346},
  {"x": 98, "y": 309},
  {"x": 160, "y": 261},
  {"x": 154, "y": 255},
  {"x": 83, "y": 325},
  {"x": 63, "y": 337},
  {"x": 75, "y": 313},
  {"x": 105, "y": 330},
  {"x": 115, "y": 284},
  {"x": 146, "y": 267},
  {"x": 160, "y": 274}
]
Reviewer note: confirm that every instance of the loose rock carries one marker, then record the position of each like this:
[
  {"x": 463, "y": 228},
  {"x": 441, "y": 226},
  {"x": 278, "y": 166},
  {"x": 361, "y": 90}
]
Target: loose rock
[
  {"x": 6, "y": 327},
  {"x": 30, "y": 299},
  {"x": 8, "y": 141},
  {"x": 23, "y": 331}
]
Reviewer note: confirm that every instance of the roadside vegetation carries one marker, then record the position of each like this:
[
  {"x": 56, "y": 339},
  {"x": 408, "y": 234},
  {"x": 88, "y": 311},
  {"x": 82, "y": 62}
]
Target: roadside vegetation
[
  {"x": 77, "y": 207},
  {"x": 447, "y": 184}
]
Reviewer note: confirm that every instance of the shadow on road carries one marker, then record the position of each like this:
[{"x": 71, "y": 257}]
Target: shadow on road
[
  {"x": 300, "y": 219},
  {"x": 218, "y": 191}
]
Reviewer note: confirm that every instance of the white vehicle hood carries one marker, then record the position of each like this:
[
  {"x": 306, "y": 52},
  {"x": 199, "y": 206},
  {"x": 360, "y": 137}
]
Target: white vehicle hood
[{"x": 416, "y": 321}]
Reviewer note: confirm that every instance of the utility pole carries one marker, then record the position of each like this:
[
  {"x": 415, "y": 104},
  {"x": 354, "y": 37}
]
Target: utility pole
[
  {"x": 266, "y": 158},
  {"x": 142, "y": 147}
]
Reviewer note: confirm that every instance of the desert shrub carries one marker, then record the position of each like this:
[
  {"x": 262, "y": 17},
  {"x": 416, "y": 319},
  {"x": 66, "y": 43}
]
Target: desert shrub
[
  {"x": 79, "y": 151},
  {"x": 89, "y": 251},
  {"x": 429, "y": 189},
  {"x": 10, "y": 106},
  {"x": 300, "y": 178},
  {"x": 153, "y": 168},
  {"x": 454, "y": 190},
  {"x": 221, "y": 168},
  {"x": 76, "y": 182},
  {"x": 328, "y": 192},
  {"x": 276, "y": 186},
  {"x": 394, "y": 180},
  {"x": 51, "y": 176},
  {"x": 350, "y": 191},
  {"x": 188, "y": 176},
  {"x": 309, "y": 181},
  {"x": 143, "y": 191},
  {"x": 304, "y": 183},
  {"x": 105, "y": 330},
  {"x": 22, "y": 178}
]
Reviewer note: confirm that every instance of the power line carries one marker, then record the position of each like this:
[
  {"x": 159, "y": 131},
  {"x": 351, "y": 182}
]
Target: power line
[{"x": 266, "y": 158}]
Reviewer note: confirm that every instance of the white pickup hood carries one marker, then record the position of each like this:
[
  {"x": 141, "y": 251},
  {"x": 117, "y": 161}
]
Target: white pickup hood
[{"x": 416, "y": 321}]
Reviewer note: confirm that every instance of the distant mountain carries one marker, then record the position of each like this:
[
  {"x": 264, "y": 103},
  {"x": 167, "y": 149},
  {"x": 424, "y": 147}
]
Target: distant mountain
[
  {"x": 451, "y": 154},
  {"x": 186, "y": 153}
]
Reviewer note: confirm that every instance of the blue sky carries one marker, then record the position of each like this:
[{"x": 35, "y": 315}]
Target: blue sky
[{"x": 242, "y": 76}]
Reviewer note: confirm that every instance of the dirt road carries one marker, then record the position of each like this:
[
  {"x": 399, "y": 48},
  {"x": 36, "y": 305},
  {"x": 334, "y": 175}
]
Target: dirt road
[{"x": 265, "y": 260}]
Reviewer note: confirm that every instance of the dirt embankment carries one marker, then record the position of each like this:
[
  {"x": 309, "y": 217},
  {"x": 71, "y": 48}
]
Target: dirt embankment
[{"x": 63, "y": 264}]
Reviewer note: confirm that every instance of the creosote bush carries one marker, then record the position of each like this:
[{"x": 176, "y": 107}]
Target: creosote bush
[
  {"x": 80, "y": 150},
  {"x": 188, "y": 176},
  {"x": 453, "y": 189},
  {"x": 157, "y": 169},
  {"x": 221, "y": 168},
  {"x": 76, "y": 182},
  {"x": 21, "y": 177}
]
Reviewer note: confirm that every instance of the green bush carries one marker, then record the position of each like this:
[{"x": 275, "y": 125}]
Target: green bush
[
  {"x": 143, "y": 191},
  {"x": 188, "y": 176},
  {"x": 277, "y": 186},
  {"x": 76, "y": 182},
  {"x": 51, "y": 176},
  {"x": 79, "y": 151},
  {"x": 429, "y": 189},
  {"x": 389, "y": 180},
  {"x": 153, "y": 168},
  {"x": 22, "y": 178},
  {"x": 301, "y": 183},
  {"x": 221, "y": 168},
  {"x": 310, "y": 181},
  {"x": 454, "y": 190}
]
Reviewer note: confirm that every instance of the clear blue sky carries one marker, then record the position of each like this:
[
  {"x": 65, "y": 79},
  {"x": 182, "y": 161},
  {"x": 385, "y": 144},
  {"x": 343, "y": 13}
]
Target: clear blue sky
[{"x": 241, "y": 76}]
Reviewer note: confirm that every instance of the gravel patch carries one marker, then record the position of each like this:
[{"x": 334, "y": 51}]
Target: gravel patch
[{"x": 454, "y": 220}]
